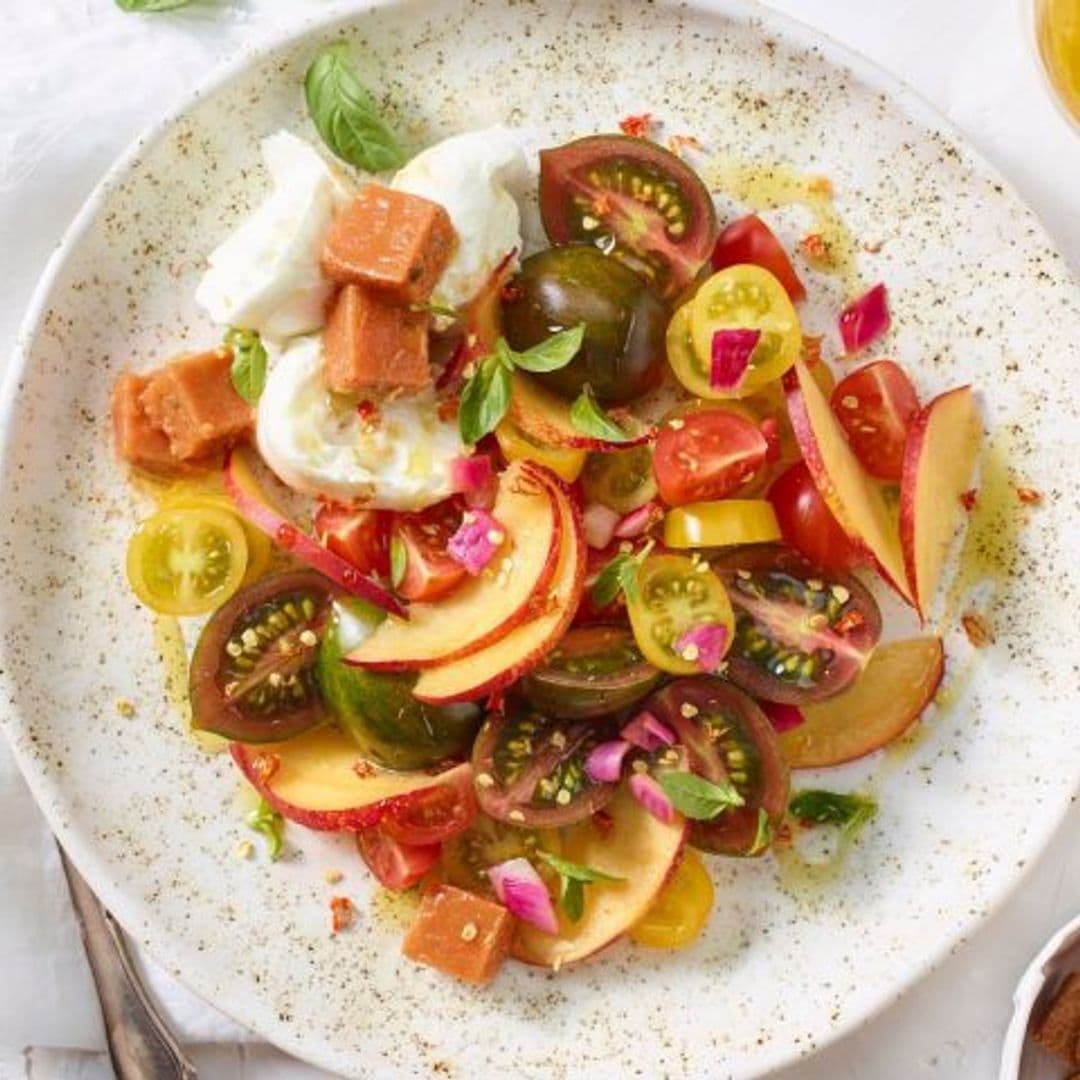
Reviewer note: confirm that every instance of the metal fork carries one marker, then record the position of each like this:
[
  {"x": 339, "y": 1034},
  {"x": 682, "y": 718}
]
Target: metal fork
[{"x": 140, "y": 1043}]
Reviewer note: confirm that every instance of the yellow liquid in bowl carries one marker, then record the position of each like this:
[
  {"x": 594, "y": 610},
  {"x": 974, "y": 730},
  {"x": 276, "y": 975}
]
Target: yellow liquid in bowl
[{"x": 1057, "y": 30}]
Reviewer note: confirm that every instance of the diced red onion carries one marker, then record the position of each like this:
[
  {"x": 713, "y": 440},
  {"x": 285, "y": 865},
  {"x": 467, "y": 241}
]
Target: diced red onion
[
  {"x": 638, "y": 522},
  {"x": 523, "y": 893},
  {"x": 604, "y": 763},
  {"x": 651, "y": 795},
  {"x": 474, "y": 477},
  {"x": 704, "y": 645},
  {"x": 476, "y": 541},
  {"x": 648, "y": 733},
  {"x": 865, "y": 320},
  {"x": 731, "y": 352},
  {"x": 783, "y": 717},
  {"x": 599, "y": 524}
]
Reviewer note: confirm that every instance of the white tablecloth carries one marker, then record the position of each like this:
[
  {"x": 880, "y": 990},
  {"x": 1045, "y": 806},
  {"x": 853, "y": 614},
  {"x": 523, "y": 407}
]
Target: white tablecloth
[{"x": 78, "y": 78}]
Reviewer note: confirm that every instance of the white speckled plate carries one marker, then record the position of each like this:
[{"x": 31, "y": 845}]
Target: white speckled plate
[{"x": 792, "y": 958}]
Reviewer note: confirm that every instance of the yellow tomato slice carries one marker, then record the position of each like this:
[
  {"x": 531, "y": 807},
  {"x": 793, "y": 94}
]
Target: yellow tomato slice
[
  {"x": 564, "y": 462},
  {"x": 671, "y": 595},
  {"x": 260, "y": 550},
  {"x": 742, "y": 297},
  {"x": 187, "y": 560},
  {"x": 681, "y": 910},
  {"x": 720, "y": 524}
]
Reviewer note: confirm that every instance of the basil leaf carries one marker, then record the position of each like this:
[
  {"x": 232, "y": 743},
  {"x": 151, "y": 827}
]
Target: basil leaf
[
  {"x": 573, "y": 898},
  {"x": 609, "y": 582},
  {"x": 431, "y": 308},
  {"x": 588, "y": 418},
  {"x": 484, "y": 400},
  {"x": 553, "y": 354},
  {"x": 248, "y": 371},
  {"x": 346, "y": 115},
  {"x": 850, "y": 812},
  {"x": 151, "y": 5},
  {"x": 270, "y": 825},
  {"x": 575, "y": 871},
  {"x": 697, "y": 798},
  {"x": 399, "y": 557}
]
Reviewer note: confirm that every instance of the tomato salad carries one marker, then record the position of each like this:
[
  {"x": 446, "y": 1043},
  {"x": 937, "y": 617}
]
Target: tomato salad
[{"x": 538, "y": 572}]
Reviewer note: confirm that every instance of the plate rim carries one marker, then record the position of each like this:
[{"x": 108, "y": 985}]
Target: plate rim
[{"x": 795, "y": 31}]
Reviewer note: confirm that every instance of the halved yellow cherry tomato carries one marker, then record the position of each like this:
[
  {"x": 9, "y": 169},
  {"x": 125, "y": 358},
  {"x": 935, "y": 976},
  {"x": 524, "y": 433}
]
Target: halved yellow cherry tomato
[
  {"x": 187, "y": 560},
  {"x": 260, "y": 550},
  {"x": 681, "y": 910},
  {"x": 722, "y": 523},
  {"x": 742, "y": 297},
  {"x": 564, "y": 462},
  {"x": 672, "y": 595}
]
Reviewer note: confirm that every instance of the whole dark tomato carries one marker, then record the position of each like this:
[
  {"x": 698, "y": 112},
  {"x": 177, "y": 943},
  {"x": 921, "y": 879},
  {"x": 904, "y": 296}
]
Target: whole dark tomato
[
  {"x": 622, "y": 355},
  {"x": 709, "y": 454},
  {"x": 750, "y": 240},
  {"x": 800, "y": 635},
  {"x": 594, "y": 671},
  {"x": 529, "y": 769},
  {"x": 875, "y": 405},
  {"x": 633, "y": 200},
  {"x": 430, "y": 572},
  {"x": 807, "y": 523},
  {"x": 727, "y": 737},
  {"x": 361, "y": 537}
]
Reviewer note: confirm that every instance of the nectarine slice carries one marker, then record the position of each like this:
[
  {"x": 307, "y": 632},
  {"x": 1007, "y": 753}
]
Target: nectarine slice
[
  {"x": 939, "y": 458},
  {"x": 855, "y": 500},
  {"x": 878, "y": 707},
  {"x": 486, "y": 608},
  {"x": 320, "y": 780},
  {"x": 523, "y": 648},
  {"x": 638, "y": 848}
]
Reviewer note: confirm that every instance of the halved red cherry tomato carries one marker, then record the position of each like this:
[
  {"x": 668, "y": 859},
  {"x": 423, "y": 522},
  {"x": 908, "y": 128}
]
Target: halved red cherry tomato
[
  {"x": 362, "y": 537},
  {"x": 395, "y": 865},
  {"x": 875, "y": 405},
  {"x": 807, "y": 523},
  {"x": 707, "y": 455},
  {"x": 632, "y": 199},
  {"x": 435, "y": 815},
  {"x": 429, "y": 571},
  {"x": 750, "y": 240}
]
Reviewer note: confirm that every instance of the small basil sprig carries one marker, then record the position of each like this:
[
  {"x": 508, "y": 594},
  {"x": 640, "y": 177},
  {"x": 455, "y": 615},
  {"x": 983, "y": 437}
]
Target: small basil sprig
[
  {"x": 346, "y": 115},
  {"x": 573, "y": 878},
  {"x": 697, "y": 798},
  {"x": 849, "y": 812},
  {"x": 587, "y": 416},
  {"x": 485, "y": 398},
  {"x": 270, "y": 825},
  {"x": 399, "y": 559},
  {"x": 151, "y": 5},
  {"x": 763, "y": 836},
  {"x": 248, "y": 371},
  {"x": 620, "y": 575}
]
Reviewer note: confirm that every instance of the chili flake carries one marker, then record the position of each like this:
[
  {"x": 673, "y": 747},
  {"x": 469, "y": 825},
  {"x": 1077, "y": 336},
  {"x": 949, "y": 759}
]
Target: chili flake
[
  {"x": 969, "y": 498},
  {"x": 977, "y": 629},
  {"x": 638, "y": 125},
  {"x": 341, "y": 913},
  {"x": 678, "y": 143},
  {"x": 816, "y": 250},
  {"x": 264, "y": 766},
  {"x": 368, "y": 412},
  {"x": 849, "y": 621},
  {"x": 811, "y": 349},
  {"x": 1029, "y": 496},
  {"x": 448, "y": 408},
  {"x": 363, "y": 768}
]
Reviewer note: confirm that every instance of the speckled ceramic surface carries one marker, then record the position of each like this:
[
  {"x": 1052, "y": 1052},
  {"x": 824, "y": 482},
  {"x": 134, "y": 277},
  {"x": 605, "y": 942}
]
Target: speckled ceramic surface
[{"x": 793, "y": 957}]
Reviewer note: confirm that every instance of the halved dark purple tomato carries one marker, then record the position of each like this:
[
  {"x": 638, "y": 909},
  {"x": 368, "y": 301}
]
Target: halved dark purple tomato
[
  {"x": 253, "y": 673},
  {"x": 596, "y": 670},
  {"x": 486, "y": 843},
  {"x": 529, "y": 769},
  {"x": 633, "y": 200},
  {"x": 800, "y": 634},
  {"x": 728, "y": 737}
]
